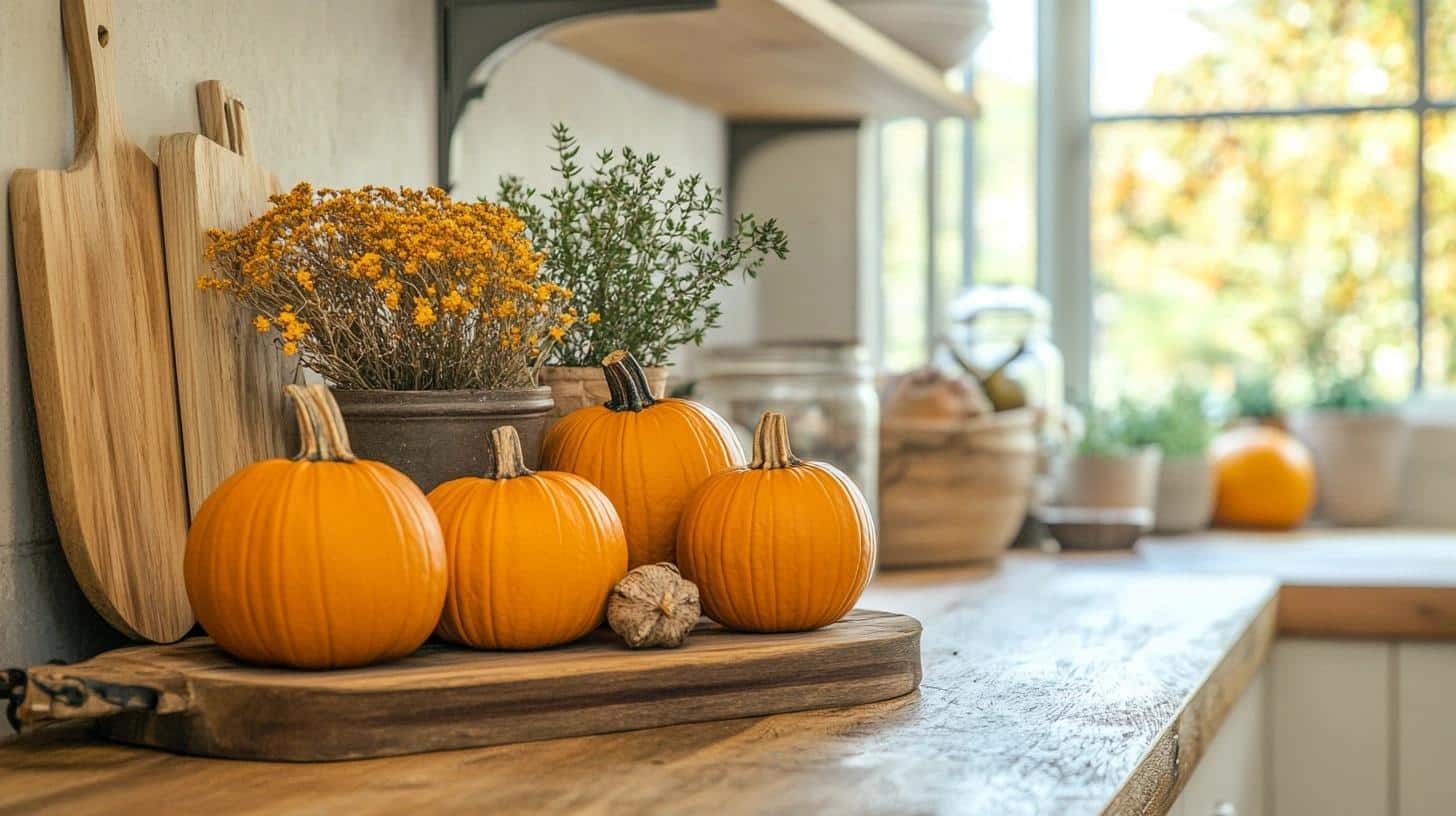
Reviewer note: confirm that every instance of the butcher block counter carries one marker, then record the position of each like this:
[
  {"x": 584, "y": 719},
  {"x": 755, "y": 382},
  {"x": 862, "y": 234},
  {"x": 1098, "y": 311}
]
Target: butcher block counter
[{"x": 1052, "y": 684}]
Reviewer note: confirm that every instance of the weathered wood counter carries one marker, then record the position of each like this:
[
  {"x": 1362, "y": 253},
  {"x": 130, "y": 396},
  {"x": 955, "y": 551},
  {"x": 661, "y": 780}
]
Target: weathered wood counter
[{"x": 1052, "y": 685}]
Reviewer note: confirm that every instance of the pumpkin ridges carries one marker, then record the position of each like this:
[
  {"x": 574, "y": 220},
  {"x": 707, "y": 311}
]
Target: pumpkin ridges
[
  {"x": 423, "y": 559},
  {"x": 324, "y": 602},
  {"x": 788, "y": 521},
  {"x": 850, "y": 590}
]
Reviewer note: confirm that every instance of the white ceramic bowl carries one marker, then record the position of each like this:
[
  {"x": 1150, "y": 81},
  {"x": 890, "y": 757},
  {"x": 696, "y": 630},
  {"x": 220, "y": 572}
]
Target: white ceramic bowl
[{"x": 944, "y": 32}]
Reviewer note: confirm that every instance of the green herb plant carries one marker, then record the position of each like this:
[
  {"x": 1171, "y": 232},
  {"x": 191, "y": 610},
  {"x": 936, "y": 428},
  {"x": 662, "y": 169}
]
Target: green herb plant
[
  {"x": 1254, "y": 396},
  {"x": 1350, "y": 394},
  {"x": 1179, "y": 425},
  {"x": 636, "y": 246},
  {"x": 1111, "y": 431}
]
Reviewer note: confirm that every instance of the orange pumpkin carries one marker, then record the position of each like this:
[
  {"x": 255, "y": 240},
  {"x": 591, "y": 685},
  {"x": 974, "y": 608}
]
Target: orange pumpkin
[
  {"x": 1265, "y": 478},
  {"x": 532, "y": 556},
  {"x": 646, "y": 454},
  {"x": 322, "y": 561},
  {"x": 782, "y": 545}
]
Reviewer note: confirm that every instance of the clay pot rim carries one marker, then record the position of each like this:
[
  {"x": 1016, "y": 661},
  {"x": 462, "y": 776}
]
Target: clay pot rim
[
  {"x": 579, "y": 370},
  {"x": 462, "y": 402},
  {"x": 1376, "y": 416}
]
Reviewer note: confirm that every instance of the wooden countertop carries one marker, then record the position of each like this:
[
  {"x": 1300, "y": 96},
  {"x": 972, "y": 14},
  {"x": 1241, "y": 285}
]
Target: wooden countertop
[{"x": 1075, "y": 685}]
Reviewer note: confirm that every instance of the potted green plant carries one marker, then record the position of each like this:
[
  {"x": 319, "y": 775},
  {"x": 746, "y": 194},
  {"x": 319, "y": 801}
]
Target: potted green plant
[
  {"x": 427, "y": 316},
  {"x": 1180, "y": 428},
  {"x": 1113, "y": 466},
  {"x": 637, "y": 245},
  {"x": 1358, "y": 442},
  {"x": 1254, "y": 400}
]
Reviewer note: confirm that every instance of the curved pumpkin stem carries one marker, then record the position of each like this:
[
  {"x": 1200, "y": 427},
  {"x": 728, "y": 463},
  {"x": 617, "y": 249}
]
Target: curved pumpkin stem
[
  {"x": 627, "y": 381},
  {"x": 319, "y": 425},
  {"x": 509, "y": 461},
  {"x": 771, "y": 449}
]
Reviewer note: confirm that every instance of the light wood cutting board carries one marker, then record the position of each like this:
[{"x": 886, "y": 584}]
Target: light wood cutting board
[
  {"x": 192, "y": 698},
  {"x": 229, "y": 377},
  {"x": 93, "y": 296}
]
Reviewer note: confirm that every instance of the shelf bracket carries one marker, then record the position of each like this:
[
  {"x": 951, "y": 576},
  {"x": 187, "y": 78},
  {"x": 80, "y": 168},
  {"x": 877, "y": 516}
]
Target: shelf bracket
[
  {"x": 746, "y": 137},
  {"x": 473, "y": 33}
]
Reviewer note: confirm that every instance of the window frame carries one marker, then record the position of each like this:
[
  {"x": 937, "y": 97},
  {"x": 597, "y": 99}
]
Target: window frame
[{"x": 1066, "y": 128}]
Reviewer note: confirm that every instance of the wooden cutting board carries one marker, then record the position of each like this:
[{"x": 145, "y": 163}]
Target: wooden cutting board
[
  {"x": 229, "y": 377},
  {"x": 93, "y": 296},
  {"x": 191, "y": 698}
]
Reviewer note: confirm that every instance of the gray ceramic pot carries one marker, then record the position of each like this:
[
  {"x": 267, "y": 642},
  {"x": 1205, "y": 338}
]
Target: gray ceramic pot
[
  {"x": 1358, "y": 462},
  {"x": 436, "y": 436},
  {"x": 1185, "y": 494}
]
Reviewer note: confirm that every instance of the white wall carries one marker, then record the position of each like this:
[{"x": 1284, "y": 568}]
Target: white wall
[
  {"x": 817, "y": 294},
  {"x": 341, "y": 92}
]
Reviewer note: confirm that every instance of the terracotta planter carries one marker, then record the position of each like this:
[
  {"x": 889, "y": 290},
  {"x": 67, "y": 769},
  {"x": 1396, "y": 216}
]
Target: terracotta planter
[
  {"x": 436, "y": 436},
  {"x": 954, "y": 491},
  {"x": 1186, "y": 490},
  {"x": 574, "y": 387},
  {"x": 1112, "y": 481},
  {"x": 1358, "y": 462}
]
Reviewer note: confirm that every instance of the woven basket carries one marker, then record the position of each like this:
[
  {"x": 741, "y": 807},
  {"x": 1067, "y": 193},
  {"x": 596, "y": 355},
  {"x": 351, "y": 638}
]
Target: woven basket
[{"x": 954, "y": 491}]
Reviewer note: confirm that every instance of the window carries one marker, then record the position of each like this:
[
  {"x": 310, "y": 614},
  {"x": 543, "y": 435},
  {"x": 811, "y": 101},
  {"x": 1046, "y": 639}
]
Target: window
[
  {"x": 957, "y": 199},
  {"x": 1242, "y": 186},
  {"x": 1273, "y": 188}
]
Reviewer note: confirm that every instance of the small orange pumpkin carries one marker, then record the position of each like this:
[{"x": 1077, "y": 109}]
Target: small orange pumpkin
[
  {"x": 533, "y": 556},
  {"x": 322, "y": 561},
  {"x": 646, "y": 454},
  {"x": 782, "y": 545},
  {"x": 1265, "y": 478}
]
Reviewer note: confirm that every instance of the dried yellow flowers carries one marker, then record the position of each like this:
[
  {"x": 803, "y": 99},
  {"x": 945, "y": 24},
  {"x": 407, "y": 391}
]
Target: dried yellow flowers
[{"x": 394, "y": 289}]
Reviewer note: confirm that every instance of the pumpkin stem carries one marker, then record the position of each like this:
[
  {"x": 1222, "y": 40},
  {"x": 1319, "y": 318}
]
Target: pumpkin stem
[
  {"x": 771, "y": 443},
  {"x": 319, "y": 425},
  {"x": 509, "y": 461},
  {"x": 627, "y": 381}
]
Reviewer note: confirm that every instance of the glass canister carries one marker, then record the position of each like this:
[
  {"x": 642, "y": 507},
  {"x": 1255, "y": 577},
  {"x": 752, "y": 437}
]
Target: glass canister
[
  {"x": 826, "y": 391},
  {"x": 1004, "y": 334}
]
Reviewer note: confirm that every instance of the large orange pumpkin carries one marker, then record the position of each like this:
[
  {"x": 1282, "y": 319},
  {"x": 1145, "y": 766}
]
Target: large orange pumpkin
[
  {"x": 532, "y": 556},
  {"x": 646, "y": 454},
  {"x": 322, "y": 561},
  {"x": 781, "y": 545},
  {"x": 1265, "y": 478}
]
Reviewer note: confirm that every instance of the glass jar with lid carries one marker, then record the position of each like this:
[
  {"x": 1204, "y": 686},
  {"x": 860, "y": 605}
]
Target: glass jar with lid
[
  {"x": 826, "y": 391},
  {"x": 1004, "y": 334}
]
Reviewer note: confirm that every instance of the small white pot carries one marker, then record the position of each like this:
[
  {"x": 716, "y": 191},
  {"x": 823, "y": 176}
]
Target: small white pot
[
  {"x": 1185, "y": 494},
  {"x": 1112, "y": 481},
  {"x": 1359, "y": 459}
]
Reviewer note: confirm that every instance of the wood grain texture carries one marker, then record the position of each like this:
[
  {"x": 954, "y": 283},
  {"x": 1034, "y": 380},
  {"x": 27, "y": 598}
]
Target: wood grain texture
[
  {"x": 212, "y": 102},
  {"x": 88, "y": 245},
  {"x": 1387, "y": 584},
  {"x": 450, "y": 697},
  {"x": 1047, "y": 687},
  {"x": 770, "y": 60},
  {"x": 953, "y": 492},
  {"x": 230, "y": 378}
]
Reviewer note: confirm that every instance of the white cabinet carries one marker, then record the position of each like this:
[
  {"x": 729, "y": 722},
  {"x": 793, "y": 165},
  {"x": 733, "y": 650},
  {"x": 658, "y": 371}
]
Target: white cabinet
[
  {"x": 1425, "y": 728},
  {"x": 1230, "y": 779},
  {"x": 1330, "y": 718},
  {"x": 1336, "y": 727}
]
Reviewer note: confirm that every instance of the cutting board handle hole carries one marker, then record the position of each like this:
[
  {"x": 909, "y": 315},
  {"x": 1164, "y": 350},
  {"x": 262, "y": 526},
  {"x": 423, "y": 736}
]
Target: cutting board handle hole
[{"x": 102, "y": 35}]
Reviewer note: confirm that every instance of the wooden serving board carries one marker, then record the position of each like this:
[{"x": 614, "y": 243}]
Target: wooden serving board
[
  {"x": 93, "y": 295},
  {"x": 191, "y": 698},
  {"x": 229, "y": 377}
]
